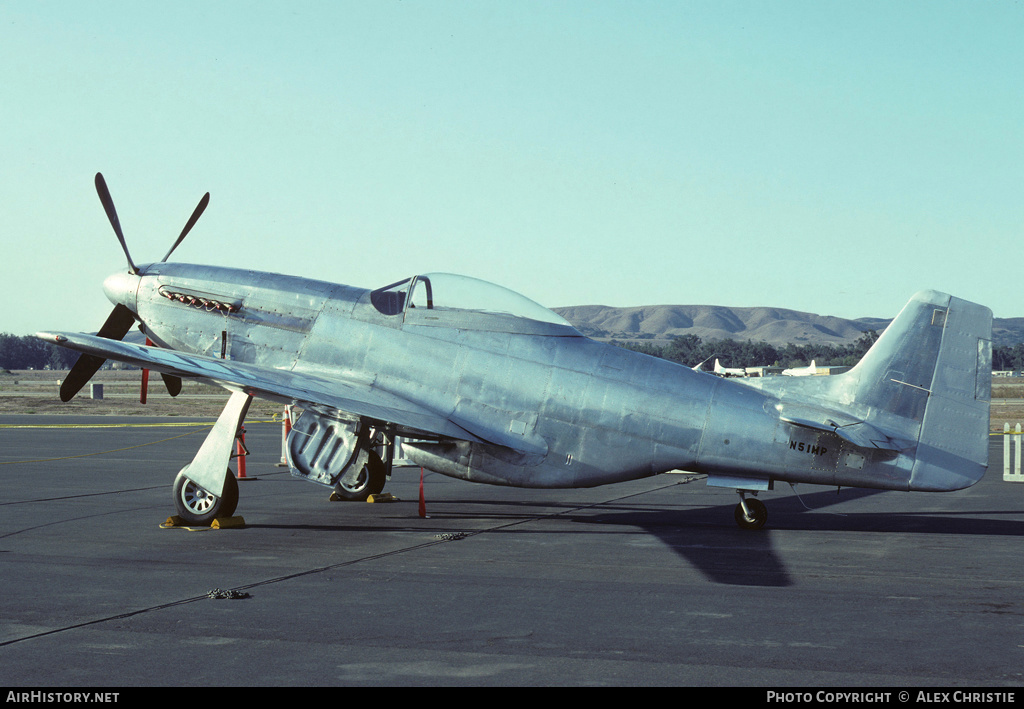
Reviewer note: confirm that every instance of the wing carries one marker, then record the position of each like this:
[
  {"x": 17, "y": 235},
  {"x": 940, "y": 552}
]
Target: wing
[{"x": 331, "y": 396}]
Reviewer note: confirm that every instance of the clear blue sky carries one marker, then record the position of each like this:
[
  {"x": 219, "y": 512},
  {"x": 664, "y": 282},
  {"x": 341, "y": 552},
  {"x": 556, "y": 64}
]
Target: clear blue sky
[{"x": 833, "y": 157}]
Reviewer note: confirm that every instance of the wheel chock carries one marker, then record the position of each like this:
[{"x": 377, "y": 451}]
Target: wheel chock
[
  {"x": 218, "y": 523},
  {"x": 379, "y": 497},
  {"x": 228, "y": 523}
]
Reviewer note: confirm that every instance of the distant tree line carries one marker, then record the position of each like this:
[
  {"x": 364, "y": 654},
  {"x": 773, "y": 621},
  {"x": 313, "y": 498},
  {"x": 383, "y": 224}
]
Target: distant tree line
[
  {"x": 25, "y": 352},
  {"x": 691, "y": 350},
  {"x": 1008, "y": 357}
]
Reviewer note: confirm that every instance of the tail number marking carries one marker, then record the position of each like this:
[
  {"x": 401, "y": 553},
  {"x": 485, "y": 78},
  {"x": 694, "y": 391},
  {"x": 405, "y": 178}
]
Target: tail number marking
[{"x": 807, "y": 448}]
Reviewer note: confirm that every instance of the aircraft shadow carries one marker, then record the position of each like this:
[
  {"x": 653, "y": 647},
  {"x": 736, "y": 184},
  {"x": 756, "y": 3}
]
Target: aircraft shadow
[{"x": 706, "y": 536}]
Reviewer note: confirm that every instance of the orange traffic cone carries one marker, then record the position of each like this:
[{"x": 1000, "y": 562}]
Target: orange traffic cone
[{"x": 240, "y": 453}]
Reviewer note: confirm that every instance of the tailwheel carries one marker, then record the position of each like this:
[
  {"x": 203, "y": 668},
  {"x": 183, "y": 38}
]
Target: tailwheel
[
  {"x": 370, "y": 481},
  {"x": 751, "y": 513},
  {"x": 197, "y": 506}
]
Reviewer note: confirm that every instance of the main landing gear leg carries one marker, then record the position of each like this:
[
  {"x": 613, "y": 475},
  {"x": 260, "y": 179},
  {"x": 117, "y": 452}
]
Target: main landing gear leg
[
  {"x": 206, "y": 488},
  {"x": 751, "y": 512}
]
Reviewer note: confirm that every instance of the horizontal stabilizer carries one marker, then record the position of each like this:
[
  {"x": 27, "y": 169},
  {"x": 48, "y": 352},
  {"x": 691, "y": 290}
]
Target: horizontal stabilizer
[{"x": 853, "y": 430}]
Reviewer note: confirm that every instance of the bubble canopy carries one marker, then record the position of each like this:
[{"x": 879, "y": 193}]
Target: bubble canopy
[{"x": 449, "y": 291}]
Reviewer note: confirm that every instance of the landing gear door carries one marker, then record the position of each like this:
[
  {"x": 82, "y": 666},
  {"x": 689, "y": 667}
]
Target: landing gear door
[{"x": 322, "y": 449}]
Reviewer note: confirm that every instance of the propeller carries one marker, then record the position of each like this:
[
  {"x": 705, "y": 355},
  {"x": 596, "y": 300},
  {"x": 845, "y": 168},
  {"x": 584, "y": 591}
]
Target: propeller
[{"x": 121, "y": 319}]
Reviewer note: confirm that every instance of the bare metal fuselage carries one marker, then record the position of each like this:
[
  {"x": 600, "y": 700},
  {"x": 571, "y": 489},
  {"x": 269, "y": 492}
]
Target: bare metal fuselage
[{"x": 557, "y": 409}]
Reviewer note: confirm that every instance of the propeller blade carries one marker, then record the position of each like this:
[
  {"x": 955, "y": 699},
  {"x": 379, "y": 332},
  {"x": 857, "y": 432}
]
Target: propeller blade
[
  {"x": 117, "y": 325},
  {"x": 108, "y": 206},
  {"x": 191, "y": 223},
  {"x": 172, "y": 383},
  {"x": 86, "y": 366}
]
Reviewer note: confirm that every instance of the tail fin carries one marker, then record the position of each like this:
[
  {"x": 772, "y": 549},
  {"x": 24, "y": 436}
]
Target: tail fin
[
  {"x": 929, "y": 378},
  {"x": 921, "y": 394}
]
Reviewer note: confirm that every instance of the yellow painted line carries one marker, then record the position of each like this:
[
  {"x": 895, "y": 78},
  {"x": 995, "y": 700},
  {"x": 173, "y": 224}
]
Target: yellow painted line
[
  {"x": 196, "y": 424},
  {"x": 102, "y": 425},
  {"x": 86, "y": 455}
]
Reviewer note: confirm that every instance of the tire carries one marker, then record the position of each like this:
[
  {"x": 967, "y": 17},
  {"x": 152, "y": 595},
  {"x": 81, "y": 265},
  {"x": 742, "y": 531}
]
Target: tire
[
  {"x": 196, "y": 506},
  {"x": 757, "y": 510},
  {"x": 371, "y": 481}
]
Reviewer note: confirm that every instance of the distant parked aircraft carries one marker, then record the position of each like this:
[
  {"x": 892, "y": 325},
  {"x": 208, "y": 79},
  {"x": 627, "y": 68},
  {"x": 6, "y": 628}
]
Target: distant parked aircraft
[
  {"x": 729, "y": 371},
  {"x": 807, "y": 371}
]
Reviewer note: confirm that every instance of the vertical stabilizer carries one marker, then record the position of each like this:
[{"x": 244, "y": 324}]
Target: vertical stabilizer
[
  {"x": 916, "y": 405},
  {"x": 931, "y": 370}
]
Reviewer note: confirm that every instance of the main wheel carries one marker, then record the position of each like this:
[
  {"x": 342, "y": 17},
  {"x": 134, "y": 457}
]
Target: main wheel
[
  {"x": 370, "y": 481},
  {"x": 196, "y": 505},
  {"x": 758, "y": 514}
]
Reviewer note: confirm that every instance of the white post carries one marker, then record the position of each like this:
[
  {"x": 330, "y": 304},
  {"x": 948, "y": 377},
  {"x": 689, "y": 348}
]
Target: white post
[
  {"x": 1006, "y": 451},
  {"x": 1012, "y": 472},
  {"x": 1016, "y": 451}
]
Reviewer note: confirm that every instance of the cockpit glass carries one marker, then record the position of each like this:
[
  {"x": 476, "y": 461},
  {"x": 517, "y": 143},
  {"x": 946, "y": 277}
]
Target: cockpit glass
[
  {"x": 390, "y": 300},
  {"x": 447, "y": 291}
]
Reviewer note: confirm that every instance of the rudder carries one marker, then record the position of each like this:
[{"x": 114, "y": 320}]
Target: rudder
[
  {"x": 952, "y": 452},
  {"x": 929, "y": 376}
]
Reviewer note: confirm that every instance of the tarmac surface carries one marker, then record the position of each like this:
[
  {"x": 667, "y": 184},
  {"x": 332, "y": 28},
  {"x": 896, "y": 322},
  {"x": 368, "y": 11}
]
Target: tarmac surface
[{"x": 642, "y": 583}]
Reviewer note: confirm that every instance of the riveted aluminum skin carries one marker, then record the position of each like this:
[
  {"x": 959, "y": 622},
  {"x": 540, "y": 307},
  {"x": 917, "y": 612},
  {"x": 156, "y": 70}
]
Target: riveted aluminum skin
[{"x": 525, "y": 400}]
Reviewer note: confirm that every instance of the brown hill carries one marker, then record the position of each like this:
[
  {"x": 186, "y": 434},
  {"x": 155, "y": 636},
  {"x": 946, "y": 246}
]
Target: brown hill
[{"x": 776, "y": 326}]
